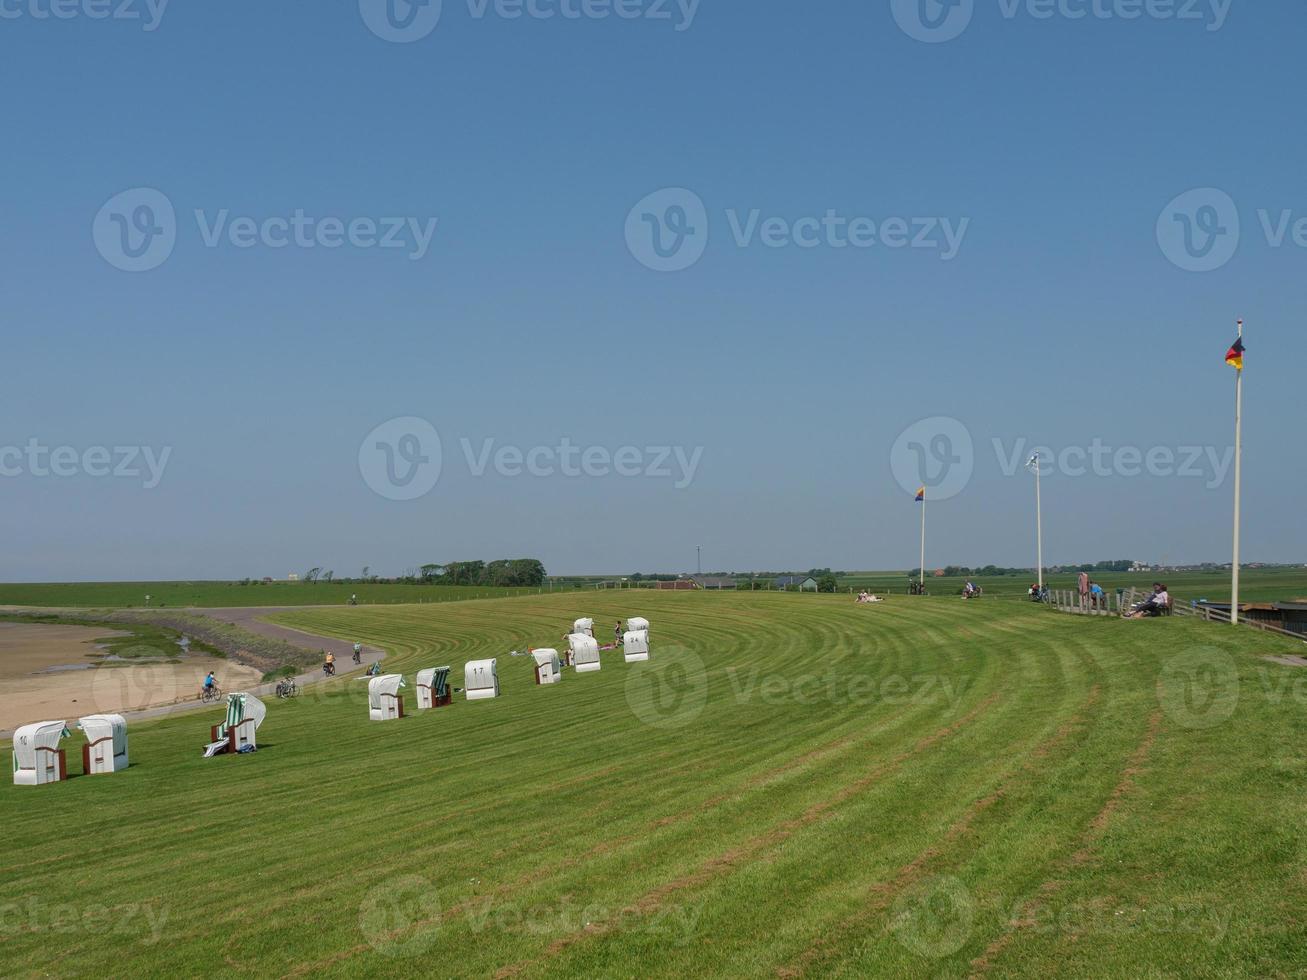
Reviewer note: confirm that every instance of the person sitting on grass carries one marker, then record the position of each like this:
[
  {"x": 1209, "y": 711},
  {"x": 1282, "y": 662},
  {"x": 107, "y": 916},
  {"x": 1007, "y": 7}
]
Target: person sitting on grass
[{"x": 1155, "y": 605}]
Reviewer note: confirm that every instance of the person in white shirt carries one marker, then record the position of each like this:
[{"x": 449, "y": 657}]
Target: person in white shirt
[{"x": 1156, "y": 604}]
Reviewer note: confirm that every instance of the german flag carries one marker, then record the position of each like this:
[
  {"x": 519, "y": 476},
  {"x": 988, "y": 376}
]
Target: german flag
[
  {"x": 921, "y": 495},
  {"x": 1234, "y": 356}
]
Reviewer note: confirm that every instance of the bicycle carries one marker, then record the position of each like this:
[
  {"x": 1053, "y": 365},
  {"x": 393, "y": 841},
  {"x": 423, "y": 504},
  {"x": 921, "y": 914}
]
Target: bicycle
[
  {"x": 287, "y": 689},
  {"x": 210, "y": 694}
]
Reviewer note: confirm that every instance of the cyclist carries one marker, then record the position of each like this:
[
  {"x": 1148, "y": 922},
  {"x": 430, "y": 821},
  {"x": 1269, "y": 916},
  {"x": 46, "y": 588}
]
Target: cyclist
[
  {"x": 358, "y": 652},
  {"x": 329, "y": 664},
  {"x": 210, "y": 684}
]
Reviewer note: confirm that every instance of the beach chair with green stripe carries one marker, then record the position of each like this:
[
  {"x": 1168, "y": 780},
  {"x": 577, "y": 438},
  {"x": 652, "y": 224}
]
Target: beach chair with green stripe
[
  {"x": 245, "y": 713},
  {"x": 433, "y": 688}
]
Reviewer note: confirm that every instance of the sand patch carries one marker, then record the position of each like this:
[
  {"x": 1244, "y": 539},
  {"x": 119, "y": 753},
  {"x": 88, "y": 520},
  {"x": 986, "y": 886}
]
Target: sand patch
[{"x": 39, "y": 679}]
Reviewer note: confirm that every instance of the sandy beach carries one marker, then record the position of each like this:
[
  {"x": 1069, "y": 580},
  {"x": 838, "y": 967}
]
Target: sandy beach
[{"x": 50, "y": 672}]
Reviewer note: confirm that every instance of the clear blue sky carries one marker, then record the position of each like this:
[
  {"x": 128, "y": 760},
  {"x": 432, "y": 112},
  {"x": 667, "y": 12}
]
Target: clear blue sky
[{"x": 1060, "y": 320}]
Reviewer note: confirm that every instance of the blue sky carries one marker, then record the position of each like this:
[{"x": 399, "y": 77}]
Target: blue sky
[{"x": 1055, "y": 145}]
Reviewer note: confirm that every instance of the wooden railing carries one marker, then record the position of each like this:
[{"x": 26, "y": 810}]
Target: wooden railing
[{"x": 1120, "y": 603}]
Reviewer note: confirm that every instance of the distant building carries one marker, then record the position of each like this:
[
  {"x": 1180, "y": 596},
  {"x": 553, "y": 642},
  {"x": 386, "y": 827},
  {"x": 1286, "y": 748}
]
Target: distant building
[
  {"x": 804, "y": 583},
  {"x": 713, "y": 582},
  {"x": 292, "y": 577}
]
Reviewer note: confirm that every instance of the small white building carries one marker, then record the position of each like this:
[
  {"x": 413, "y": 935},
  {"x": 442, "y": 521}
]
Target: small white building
[
  {"x": 584, "y": 652},
  {"x": 37, "y": 756},
  {"x": 585, "y": 626},
  {"x": 549, "y": 669},
  {"x": 384, "y": 700},
  {"x": 433, "y": 688},
  {"x": 635, "y": 645},
  {"x": 105, "y": 750},
  {"x": 481, "y": 679},
  {"x": 245, "y": 713}
]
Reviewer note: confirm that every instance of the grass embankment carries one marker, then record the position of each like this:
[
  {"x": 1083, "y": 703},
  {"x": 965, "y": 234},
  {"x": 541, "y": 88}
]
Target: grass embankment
[{"x": 793, "y": 786}]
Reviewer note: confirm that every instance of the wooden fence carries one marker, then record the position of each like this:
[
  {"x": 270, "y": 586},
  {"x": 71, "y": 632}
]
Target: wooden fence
[{"x": 1120, "y": 603}]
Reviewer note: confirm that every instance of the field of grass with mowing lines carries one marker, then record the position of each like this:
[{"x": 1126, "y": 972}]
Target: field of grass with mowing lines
[{"x": 794, "y": 786}]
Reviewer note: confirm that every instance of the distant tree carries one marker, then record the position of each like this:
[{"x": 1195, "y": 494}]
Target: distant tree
[
  {"x": 364, "y": 576},
  {"x": 312, "y": 574},
  {"x": 327, "y": 576},
  {"x": 430, "y": 572},
  {"x": 827, "y": 583}
]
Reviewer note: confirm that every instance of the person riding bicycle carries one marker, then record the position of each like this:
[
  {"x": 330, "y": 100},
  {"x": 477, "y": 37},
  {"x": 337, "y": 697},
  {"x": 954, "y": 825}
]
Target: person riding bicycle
[
  {"x": 329, "y": 664},
  {"x": 210, "y": 684},
  {"x": 358, "y": 652}
]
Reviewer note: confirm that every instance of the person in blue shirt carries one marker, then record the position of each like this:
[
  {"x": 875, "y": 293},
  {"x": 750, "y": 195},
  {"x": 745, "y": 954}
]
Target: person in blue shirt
[
  {"x": 1096, "y": 597},
  {"x": 210, "y": 682}
]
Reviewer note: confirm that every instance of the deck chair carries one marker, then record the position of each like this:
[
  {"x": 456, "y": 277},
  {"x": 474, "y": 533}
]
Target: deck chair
[
  {"x": 37, "y": 756},
  {"x": 245, "y": 713},
  {"x": 433, "y": 688}
]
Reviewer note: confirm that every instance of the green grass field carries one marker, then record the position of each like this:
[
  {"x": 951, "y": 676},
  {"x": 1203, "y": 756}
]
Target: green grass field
[
  {"x": 1258, "y": 585},
  {"x": 131, "y": 595},
  {"x": 793, "y": 786}
]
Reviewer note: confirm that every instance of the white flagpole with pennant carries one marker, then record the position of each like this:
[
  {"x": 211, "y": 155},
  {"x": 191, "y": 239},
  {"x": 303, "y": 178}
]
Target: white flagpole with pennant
[{"x": 1235, "y": 358}]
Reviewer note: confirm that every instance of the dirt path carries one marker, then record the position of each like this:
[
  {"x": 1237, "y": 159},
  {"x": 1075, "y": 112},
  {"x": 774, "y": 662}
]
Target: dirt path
[{"x": 141, "y": 691}]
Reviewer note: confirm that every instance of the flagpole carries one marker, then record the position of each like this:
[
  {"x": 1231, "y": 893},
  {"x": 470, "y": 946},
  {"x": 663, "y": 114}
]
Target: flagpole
[
  {"x": 921, "y": 580},
  {"x": 1039, "y": 530},
  {"x": 1238, "y": 485}
]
